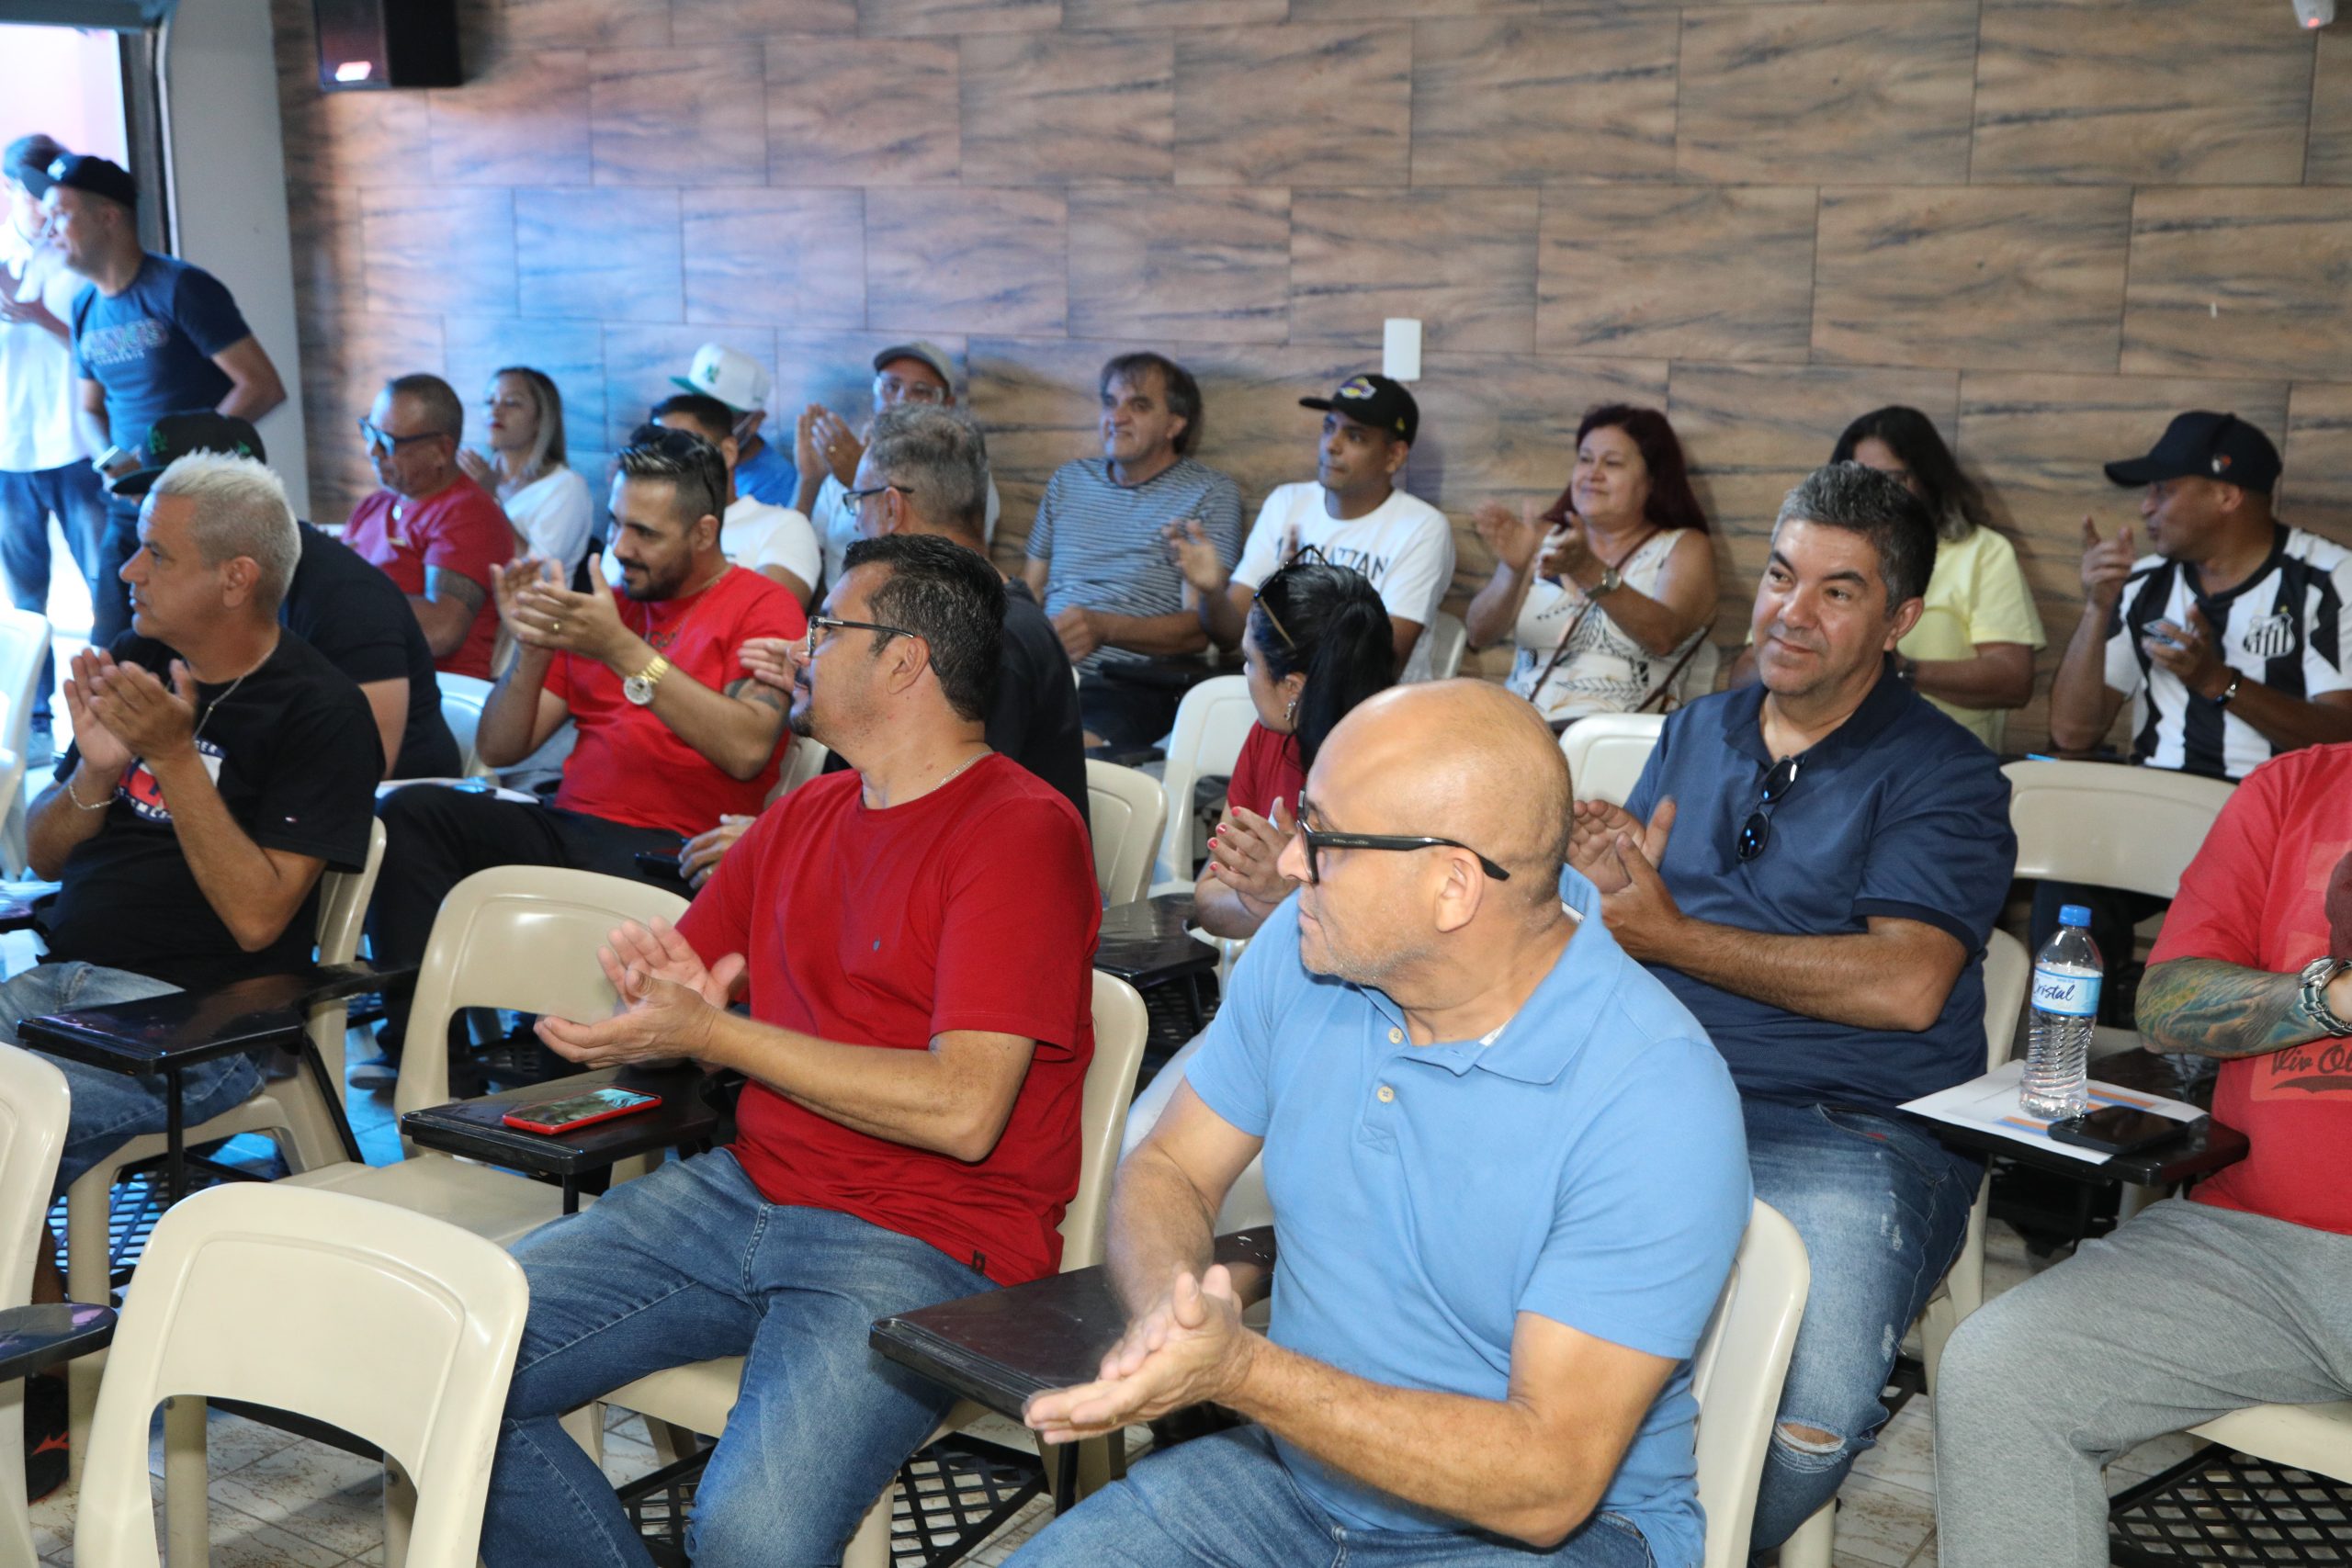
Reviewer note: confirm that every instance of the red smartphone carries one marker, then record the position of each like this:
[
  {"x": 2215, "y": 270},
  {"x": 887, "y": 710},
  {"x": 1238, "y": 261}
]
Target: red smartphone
[{"x": 557, "y": 1116}]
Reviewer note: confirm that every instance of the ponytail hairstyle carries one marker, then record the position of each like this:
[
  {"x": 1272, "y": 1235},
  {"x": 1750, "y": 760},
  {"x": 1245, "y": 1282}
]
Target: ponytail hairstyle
[{"x": 1328, "y": 622}]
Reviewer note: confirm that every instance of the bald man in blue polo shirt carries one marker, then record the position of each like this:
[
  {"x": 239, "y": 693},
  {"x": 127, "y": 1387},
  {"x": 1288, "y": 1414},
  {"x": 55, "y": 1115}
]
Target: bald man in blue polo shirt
[
  {"x": 1813, "y": 865},
  {"x": 1507, "y": 1177}
]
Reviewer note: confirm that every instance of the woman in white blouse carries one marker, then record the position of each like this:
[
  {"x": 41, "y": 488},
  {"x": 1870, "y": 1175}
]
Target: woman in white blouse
[
  {"x": 526, "y": 469},
  {"x": 1610, "y": 594}
]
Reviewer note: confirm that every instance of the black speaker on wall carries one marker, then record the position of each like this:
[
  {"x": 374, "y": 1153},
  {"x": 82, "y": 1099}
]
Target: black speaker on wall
[{"x": 367, "y": 45}]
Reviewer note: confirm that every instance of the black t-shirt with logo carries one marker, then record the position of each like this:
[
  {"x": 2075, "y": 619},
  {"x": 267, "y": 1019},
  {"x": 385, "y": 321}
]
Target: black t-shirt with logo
[
  {"x": 344, "y": 605},
  {"x": 294, "y": 753}
]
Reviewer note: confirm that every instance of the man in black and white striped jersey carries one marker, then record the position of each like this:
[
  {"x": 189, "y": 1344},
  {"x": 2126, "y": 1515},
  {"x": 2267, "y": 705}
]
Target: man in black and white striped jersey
[{"x": 2233, "y": 639}]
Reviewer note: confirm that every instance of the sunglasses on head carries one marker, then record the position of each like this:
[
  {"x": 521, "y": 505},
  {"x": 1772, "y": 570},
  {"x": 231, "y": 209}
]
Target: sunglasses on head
[{"x": 1306, "y": 555}]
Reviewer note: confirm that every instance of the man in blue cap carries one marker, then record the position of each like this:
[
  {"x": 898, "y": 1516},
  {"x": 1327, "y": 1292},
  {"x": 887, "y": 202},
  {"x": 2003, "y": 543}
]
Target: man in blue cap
[{"x": 153, "y": 336}]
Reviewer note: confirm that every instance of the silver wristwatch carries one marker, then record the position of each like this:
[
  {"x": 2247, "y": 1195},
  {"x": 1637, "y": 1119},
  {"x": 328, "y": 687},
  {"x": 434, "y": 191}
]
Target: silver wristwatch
[
  {"x": 1610, "y": 581},
  {"x": 2317, "y": 975}
]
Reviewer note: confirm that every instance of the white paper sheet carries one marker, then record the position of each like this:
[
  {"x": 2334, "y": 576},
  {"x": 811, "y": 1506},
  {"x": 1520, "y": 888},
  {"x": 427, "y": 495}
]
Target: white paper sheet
[{"x": 1989, "y": 1104}]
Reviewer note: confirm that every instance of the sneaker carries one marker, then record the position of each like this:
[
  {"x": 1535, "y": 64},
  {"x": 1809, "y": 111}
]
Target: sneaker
[{"x": 46, "y": 1444}]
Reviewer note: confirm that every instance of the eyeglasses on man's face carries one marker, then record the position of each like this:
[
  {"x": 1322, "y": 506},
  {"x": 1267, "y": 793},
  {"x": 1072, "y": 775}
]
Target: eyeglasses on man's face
[
  {"x": 378, "y": 438},
  {"x": 829, "y": 624},
  {"x": 1318, "y": 841},
  {"x": 897, "y": 389},
  {"x": 856, "y": 500}
]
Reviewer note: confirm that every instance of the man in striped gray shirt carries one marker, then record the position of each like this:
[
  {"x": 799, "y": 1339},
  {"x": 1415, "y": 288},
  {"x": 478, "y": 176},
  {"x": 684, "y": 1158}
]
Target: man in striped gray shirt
[{"x": 1099, "y": 558}]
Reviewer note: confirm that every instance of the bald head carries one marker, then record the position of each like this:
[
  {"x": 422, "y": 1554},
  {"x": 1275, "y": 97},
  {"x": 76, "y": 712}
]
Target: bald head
[{"x": 1462, "y": 758}]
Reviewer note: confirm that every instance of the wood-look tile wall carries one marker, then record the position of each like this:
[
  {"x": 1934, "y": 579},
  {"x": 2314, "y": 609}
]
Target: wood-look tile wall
[{"x": 2049, "y": 223}]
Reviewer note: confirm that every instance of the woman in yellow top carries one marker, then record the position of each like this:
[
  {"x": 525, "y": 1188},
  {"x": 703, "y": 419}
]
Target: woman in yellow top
[{"x": 1972, "y": 653}]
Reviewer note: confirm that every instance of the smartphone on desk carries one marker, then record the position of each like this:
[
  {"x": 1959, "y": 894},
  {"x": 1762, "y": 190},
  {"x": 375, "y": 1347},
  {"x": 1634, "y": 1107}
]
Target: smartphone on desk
[
  {"x": 2120, "y": 1129},
  {"x": 555, "y": 1117}
]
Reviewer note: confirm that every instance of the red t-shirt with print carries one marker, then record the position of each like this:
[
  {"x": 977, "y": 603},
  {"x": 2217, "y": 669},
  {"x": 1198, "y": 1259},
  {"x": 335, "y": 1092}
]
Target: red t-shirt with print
[
  {"x": 628, "y": 765},
  {"x": 972, "y": 908},
  {"x": 460, "y": 529},
  {"x": 2256, "y": 895},
  {"x": 1267, "y": 771}
]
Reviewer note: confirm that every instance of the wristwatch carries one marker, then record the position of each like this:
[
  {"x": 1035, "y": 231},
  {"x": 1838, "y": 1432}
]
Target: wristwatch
[
  {"x": 2228, "y": 692},
  {"x": 2317, "y": 975},
  {"x": 1610, "y": 581},
  {"x": 638, "y": 688}
]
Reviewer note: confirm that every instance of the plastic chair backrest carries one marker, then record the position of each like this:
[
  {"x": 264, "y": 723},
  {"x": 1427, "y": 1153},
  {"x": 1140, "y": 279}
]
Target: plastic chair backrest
[
  {"x": 462, "y": 697},
  {"x": 1607, "y": 751},
  {"x": 1120, "y": 1029},
  {"x": 258, "y": 1292},
  {"x": 343, "y": 902},
  {"x": 1448, "y": 639},
  {"x": 1212, "y": 722},
  {"x": 803, "y": 763},
  {"x": 2135, "y": 828},
  {"x": 24, "y": 638},
  {"x": 2008, "y": 968},
  {"x": 516, "y": 936},
  {"x": 1126, "y": 811},
  {"x": 34, "y": 1105},
  {"x": 1736, "y": 1375}
]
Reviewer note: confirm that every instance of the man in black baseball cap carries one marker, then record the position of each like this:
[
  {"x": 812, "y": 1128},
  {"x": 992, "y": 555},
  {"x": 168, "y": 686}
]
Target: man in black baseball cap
[
  {"x": 155, "y": 337},
  {"x": 337, "y": 602},
  {"x": 2232, "y": 639},
  {"x": 1355, "y": 515}
]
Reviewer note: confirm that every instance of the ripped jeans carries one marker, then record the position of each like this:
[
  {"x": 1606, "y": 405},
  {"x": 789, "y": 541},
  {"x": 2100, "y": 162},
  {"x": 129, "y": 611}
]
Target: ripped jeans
[{"x": 1882, "y": 1208}]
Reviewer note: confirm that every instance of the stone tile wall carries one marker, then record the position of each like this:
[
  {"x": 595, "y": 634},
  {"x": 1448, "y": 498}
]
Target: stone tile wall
[{"x": 2049, "y": 223}]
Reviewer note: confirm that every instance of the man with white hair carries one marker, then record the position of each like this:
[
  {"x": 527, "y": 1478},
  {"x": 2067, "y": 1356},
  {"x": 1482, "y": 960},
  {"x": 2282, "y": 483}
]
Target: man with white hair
[{"x": 219, "y": 765}]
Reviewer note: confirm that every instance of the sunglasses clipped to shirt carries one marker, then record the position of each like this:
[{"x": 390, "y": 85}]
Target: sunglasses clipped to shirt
[{"x": 1756, "y": 831}]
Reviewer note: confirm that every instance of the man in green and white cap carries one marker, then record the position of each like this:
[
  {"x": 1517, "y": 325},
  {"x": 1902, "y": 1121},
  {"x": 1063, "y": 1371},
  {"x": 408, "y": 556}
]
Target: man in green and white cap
[{"x": 741, "y": 383}]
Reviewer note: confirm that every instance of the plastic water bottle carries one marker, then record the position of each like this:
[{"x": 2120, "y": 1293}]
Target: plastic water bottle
[{"x": 2066, "y": 978}]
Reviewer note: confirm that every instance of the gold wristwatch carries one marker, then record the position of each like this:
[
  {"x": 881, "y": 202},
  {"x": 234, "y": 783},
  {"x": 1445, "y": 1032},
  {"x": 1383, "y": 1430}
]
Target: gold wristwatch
[{"x": 638, "y": 688}]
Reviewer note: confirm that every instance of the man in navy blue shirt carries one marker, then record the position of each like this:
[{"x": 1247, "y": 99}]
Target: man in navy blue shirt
[
  {"x": 153, "y": 336},
  {"x": 1812, "y": 864},
  {"x": 1506, "y": 1171}
]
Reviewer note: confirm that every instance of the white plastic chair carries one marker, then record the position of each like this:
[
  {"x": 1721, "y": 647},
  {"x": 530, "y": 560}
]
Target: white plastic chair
[
  {"x": 1448, "y": 639},
  {"x": 803, "y": 763},
  {"x": 462, "y": 697},
  {"x": 1125, "y": 811},
  {"x": 388, "y": 1324},
  {"x": 34, "y": 1105},
  {"x": 23, "y": 641},
  {"x": 1737, "y": 1374},
  {"x": 293, "y": 1113},
  {"x": 699, "y": 1396},
  {"x": 2317, "y": 1437},
  {"x": 1212, "y": 722},
  {"x": 2007, "y": 970},
  {"x": 1607, "y": 751}
]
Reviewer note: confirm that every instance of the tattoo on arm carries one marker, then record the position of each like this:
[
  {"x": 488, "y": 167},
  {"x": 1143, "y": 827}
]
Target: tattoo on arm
[
  {"x": 747, "y": 690},
  {"x": 443, "y": 586},
  {"x": 2212, "y": 1008}
]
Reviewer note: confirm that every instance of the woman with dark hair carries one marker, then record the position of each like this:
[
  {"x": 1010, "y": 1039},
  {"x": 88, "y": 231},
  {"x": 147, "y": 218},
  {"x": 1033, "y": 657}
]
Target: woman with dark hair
[
  {"x": 1317, "y": 643},
  {"x": 1609, "y": 594},
  {"x": 546, "y": 501},
  {"x": 1972, "y": 653}
]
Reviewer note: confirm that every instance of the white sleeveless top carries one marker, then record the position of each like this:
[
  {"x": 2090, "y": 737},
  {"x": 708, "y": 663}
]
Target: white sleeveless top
[{"x": 1603, "y": 669}]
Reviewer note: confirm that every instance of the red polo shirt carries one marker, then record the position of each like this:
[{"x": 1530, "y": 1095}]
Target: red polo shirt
[
  {"x": 460, "y": 529},
  {"x": 628, "y": 765},
  {"x": 970, "y": 907}
]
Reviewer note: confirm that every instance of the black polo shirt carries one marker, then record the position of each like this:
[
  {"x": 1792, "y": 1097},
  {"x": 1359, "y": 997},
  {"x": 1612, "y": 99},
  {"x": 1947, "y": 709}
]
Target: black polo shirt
[{"x": 1899, "y": 811}]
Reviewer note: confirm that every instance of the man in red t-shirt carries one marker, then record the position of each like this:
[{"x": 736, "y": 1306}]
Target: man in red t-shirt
[
  {"x": 913, "y": 939},
  {"x": 2239, "y": 1294},
  {"x": 431, "y": 529},
  {"x": 673, "y": 730}
]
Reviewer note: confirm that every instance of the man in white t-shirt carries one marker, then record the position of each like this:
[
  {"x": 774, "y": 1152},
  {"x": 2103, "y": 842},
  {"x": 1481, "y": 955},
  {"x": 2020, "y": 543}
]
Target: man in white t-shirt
[
  {"x": 828, "y": 450},
  {"x": 44, "y": 462},
  {"x": 774, "y": 541},
  {"x": 1353, "y": 514}
]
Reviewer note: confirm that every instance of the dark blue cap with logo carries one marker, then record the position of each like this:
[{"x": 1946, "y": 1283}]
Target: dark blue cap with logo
[
  {"x": 1375, "y": 401},
  {"x": 99, "y": 176},
  {"x": 2205, "y": 446}
]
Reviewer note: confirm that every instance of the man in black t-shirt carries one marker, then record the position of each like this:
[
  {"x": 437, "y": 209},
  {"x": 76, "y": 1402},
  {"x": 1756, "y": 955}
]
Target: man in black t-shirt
[
  {"x": 341, "y": 605},
  {"x": 219, "y": 765},
  {"x": 925, "y": 471}
]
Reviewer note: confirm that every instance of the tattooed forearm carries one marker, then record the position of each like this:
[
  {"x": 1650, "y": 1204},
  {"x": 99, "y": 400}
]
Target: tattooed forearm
[{"x": 2212, "y": 1008}]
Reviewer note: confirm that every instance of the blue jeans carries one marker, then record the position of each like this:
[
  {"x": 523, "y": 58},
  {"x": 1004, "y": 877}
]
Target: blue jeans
[
  {"x": 27, "y": 500},
  {"x": 691, "y": 1263},
  {"x": 1227, "y": 1501},
  {"x": 1883, "y": 1209},
  {"x": 111, "y": 1109}
]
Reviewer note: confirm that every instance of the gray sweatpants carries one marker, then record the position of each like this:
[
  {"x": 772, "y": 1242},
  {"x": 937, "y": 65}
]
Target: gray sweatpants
[{"x": 2184, "y": 1313}]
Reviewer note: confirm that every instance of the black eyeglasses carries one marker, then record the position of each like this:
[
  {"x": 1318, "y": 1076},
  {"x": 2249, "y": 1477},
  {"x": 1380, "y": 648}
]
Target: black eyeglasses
[
  {"x": 1317, "y": 841},
  {"x": 375, "y": 436},
  {"x": 828, "y": 624},
  {"x": 853, "y": 499},
  {"x": 1756, "y": 831}
]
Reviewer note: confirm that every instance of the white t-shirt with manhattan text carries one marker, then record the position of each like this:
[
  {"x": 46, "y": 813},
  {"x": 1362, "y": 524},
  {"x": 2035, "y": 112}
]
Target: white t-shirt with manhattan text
[{"x": 1404, "y": 548}]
